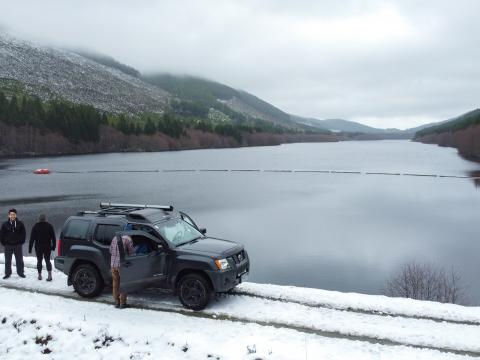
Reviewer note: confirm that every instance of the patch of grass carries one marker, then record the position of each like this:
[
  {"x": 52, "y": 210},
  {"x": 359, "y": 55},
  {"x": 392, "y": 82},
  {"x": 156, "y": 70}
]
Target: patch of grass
[
  {"x": 43, "y": 340},
  {"x": 104, "y": 340},
  {"x": 18, "y": 324},
  {"x": 211, "y": 356}
]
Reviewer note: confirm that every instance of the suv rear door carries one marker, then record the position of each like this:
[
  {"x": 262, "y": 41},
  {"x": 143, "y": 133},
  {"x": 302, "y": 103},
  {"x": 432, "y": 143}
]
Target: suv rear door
[
  {"x": 75, "y": 232},
  {"x": 103, "y": 234},
  {"x": 144, "y": 269}
]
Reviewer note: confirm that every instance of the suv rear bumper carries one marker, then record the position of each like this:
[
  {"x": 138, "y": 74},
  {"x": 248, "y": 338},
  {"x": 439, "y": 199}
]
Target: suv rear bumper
[{"x": 59, "y": 263}]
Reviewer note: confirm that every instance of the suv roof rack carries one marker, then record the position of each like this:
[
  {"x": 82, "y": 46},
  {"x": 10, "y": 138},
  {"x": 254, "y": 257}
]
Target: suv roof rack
[
  {"x": 107, "y": 208},
  {"x": 116, "y": 208},
  {"x": 105, "y": 205},
  {"x": 87, "y": 212}
]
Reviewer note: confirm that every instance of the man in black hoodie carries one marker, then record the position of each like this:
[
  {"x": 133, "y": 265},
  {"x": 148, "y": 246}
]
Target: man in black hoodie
[
  {"x": 43, "y": 236},
  {"x": 12, "y": 236}
]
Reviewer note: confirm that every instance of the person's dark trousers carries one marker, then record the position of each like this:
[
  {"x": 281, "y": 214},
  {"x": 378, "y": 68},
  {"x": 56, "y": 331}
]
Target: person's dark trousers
[
  {"x": 17, "y": 251},
  {"x": 43, "y": 254}
]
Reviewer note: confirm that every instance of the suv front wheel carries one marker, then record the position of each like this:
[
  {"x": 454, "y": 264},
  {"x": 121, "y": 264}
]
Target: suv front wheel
[
  {"x": 194, "y": 291},
  {"x": 86, "y": 280}
]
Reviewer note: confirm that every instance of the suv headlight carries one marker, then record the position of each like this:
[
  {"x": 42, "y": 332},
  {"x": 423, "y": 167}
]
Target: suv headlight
[{"x": 222, "y": 264}]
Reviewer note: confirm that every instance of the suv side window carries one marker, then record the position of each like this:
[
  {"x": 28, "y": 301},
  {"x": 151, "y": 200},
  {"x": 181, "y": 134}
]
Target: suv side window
[
  {"x": 104, "y": 233},
  {"x": 77, "y": 229},
  {"x": 148, "y": 230}
]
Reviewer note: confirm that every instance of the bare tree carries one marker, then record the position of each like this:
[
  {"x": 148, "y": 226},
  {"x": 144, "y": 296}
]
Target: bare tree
[{"x": 427, "y": 282}]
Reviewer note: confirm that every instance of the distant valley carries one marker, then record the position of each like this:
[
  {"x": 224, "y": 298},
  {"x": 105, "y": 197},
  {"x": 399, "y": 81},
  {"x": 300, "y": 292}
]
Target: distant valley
[{"x": 113, "y": 107}]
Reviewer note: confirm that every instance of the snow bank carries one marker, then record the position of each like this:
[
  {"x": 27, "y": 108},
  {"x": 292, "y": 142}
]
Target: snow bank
[
  {"x": 362, "y": 302},
  {"x": 316, "y": 314},
  {"x": 40, "y": 326}
]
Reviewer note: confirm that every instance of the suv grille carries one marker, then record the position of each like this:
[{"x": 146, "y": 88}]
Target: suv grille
[{"x": 239, "y": 257}]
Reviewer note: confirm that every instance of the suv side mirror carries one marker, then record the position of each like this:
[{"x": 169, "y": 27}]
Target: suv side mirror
[{"x": 203, "y": 231}]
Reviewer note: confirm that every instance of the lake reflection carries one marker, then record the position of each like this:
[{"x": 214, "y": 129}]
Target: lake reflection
[{"x": 339, "y": 231}]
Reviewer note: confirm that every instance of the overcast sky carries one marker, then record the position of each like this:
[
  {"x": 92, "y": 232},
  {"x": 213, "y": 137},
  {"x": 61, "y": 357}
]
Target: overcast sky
[{"x": 397, "y": 63}]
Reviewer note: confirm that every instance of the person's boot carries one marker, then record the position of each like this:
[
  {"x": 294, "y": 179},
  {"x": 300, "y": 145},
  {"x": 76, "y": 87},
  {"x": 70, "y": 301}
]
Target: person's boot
[
  {"x": 49, "y": 278},
  {"x": 39, "y": 276}
]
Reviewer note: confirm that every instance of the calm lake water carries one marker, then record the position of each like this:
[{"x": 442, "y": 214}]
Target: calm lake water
[{"x": 337, "y": 231}]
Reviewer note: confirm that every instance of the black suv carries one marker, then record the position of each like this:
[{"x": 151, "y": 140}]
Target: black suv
[{"x": 171, "y": 252}]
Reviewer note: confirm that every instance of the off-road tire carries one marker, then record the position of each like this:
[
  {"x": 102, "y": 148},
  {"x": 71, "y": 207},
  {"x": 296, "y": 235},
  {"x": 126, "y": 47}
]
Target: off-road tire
[
  {"x": 194, "y": 291},
  {"x": 87, "y": 281}
]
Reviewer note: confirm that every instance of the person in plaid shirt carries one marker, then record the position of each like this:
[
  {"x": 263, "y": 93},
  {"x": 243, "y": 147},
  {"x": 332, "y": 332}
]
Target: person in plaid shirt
[{"x": 120, "y": 298}]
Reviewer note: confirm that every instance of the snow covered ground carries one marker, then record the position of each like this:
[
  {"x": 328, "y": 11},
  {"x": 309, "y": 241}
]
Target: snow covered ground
[{"x": 40, "y": 319}]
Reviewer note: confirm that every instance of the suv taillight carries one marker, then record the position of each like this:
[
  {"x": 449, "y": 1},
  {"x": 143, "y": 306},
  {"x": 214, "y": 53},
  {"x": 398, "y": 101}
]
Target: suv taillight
[{"x": 58, "y": 246}]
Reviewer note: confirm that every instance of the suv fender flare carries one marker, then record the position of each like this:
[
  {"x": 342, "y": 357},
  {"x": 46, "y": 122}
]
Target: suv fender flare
[
  {"x": 189, "y": 263},
  {"x": 88, "y": 254},
  {"x": 191, "y": 270}
]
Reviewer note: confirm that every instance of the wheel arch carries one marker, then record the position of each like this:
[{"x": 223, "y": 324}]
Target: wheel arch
[
  {"x": 79, "y": 262},
  {"x": 182, "y": 273},
  {"x": 81, "y": 254}
]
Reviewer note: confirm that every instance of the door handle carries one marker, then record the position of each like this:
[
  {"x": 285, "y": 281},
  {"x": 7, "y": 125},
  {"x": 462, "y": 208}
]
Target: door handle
[{"x": 127, "y": 263}]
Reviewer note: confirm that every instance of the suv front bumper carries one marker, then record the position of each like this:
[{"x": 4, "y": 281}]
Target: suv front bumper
[{"x": 225, "y": 280}]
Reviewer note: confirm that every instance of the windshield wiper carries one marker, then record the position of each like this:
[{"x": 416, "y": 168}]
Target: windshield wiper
[{"x": 194, "y": 240}]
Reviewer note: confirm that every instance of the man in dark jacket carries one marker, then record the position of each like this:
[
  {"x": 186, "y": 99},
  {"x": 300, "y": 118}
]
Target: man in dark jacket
[
  {"x": 43, "y": 236},
  {"x": 12, "y": 237}
]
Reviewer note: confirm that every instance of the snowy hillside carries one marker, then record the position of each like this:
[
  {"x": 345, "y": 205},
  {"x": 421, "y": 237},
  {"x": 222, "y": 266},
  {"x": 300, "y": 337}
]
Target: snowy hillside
[
  {"x": 259, "y": 321},
  {"x": 49, "y": 72}
]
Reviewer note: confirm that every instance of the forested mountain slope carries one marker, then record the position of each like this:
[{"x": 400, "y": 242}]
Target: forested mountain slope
[
  {"x": 462, "y": 132},
  {"x": 55, "y": 73}
]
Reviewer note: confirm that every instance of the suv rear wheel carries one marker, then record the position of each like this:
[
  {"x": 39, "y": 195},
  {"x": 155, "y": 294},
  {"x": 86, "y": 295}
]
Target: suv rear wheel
[
  {"x": 194, "y": 291},
  {"x": 87, "y": 281}
]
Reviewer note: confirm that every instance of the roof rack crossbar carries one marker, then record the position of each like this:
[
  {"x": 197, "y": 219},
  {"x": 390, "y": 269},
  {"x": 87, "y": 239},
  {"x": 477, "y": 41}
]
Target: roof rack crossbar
[
  {"x": 87, "y": 212},
  {"x": 116, "y": 211},
  {"x": 130, "y": 207}
]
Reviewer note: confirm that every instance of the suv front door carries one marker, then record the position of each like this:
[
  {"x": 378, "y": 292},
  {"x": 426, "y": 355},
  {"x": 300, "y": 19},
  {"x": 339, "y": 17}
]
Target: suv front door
[{"x": 146, "y": 267}]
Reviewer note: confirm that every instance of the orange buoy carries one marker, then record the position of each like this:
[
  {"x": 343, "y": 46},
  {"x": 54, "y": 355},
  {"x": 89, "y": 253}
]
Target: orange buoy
[{"x": 41, "y": 171}]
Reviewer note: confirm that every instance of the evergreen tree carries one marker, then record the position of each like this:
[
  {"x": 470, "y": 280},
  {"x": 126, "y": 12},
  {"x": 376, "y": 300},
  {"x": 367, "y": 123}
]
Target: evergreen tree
[
  {"x": 132, "y": 128},
  {"x": 12, "y": 111},
  {"x": 28, "y": 115},
  {"x": 150, "y": 127},
  {"x": 22, "y": 111},
  {"x": 104, "y": 120},
  {"x": 3, "y": 107},
  {"x": 138, "y": 129},
  {"x": 39, "y": 112},
  {"x": 122, "y": 124}
]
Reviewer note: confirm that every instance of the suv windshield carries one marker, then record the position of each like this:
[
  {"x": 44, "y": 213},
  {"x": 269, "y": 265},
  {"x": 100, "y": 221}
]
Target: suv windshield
[{"x": 177, "y": 231}]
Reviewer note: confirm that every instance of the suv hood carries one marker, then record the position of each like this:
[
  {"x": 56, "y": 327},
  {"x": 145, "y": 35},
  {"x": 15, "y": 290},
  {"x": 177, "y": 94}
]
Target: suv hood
[{"x": 212, "y": 246}]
